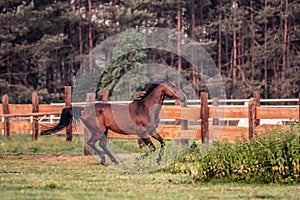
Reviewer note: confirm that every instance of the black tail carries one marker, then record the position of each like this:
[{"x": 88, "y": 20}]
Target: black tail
[{"x": 66, "y": 118}]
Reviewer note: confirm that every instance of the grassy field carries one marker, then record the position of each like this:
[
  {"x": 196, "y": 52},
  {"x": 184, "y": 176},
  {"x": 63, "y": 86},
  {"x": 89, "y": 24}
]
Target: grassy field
[{"x": 51, "y": 168}]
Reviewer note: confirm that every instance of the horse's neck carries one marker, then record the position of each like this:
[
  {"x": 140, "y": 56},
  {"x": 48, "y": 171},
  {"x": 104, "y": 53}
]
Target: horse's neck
[{"x": 154, "y": 98}]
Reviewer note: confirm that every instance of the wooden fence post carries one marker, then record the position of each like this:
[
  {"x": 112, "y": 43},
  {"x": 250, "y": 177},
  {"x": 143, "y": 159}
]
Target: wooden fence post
[
  {"x": 256, "y": 95},
  {"x": 184, "y": 126},
  {"x": 5, "y": 110},
  {"x": 299, "y": 106},
  {"x": 252, "y": 116},
  {"x": 90, "y": 98},
  {"x": 177, "y": 121},
  {"x": 35, "y": 109},
  {"x": 215, "y": 104},
  {"x": 68, "y": 103},
  {"x": 204, "y": 117},
  {"x": 105, "y": 95}
]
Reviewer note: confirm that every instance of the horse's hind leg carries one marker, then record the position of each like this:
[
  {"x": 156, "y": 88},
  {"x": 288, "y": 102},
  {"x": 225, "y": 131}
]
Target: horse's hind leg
[
  {"x": 162, "y": 143},
  {"x": 103, "y": 145},
  {"x": 149, "y": 143},
  {"x": 93, "y": 149}
]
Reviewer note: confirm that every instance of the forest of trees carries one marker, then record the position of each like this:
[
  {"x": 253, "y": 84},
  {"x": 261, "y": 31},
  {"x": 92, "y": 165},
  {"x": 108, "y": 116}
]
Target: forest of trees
[{"x": 255, "y": 44}]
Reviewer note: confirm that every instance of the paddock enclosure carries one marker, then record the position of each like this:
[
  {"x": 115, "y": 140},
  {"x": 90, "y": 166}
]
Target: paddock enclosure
[{"x": 204, "y": 119}]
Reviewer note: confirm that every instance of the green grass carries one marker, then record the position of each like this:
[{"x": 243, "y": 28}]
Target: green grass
[
  {"x": 22, "y": 144},
  {"x": 52, "y": 168}
]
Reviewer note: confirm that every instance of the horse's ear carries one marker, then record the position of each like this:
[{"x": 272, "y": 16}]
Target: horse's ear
[
  {"x": 172, "y": 85},
  {"x": 161, "y": 82}
]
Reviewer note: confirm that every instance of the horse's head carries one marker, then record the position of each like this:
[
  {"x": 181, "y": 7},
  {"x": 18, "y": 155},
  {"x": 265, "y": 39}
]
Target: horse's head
[{"x": 170, "y": 90}]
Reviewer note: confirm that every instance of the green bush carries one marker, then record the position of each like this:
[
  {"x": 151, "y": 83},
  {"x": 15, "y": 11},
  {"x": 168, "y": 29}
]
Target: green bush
[{"x": 273, "y": 157}]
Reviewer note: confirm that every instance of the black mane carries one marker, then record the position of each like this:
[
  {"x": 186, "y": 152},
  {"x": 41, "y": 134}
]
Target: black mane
[{"x": 150, "y": 89}]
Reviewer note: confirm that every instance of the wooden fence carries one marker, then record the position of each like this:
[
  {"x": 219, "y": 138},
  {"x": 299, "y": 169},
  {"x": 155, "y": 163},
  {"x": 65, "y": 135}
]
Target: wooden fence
[{"x": 205, "y": 120}]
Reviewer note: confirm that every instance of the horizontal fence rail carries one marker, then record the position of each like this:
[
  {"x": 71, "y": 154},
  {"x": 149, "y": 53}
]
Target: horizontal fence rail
[{"x": 203, "y": 120}]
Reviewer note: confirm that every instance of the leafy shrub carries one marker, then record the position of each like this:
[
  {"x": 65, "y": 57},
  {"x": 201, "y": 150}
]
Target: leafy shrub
[{"x": 273, "y": 157}]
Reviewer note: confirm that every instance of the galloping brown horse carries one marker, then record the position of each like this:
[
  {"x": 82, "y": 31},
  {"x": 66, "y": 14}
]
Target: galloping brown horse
[{"x": 140, "y": 117}]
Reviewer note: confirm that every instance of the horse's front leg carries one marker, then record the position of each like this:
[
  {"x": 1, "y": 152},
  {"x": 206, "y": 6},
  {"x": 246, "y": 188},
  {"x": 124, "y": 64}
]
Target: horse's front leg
[
  {"x": 162, "y": 144},
  {"x": 149, "y": 144}
]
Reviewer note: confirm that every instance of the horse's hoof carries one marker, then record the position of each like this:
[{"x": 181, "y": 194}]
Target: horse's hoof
[
  {"x": 158, "y": 161},
  {"x": 144, "y": 156},
  {"x": 103, "y": 163},
  {"x": 116, "y": 162},
  {"x": 140, "y": 158}
]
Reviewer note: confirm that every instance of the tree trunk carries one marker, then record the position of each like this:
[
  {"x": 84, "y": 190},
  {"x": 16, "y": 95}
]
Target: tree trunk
[
  {"x": 220, "y": 38},
  {"x": 113, "y": 12},
  {"x": 90, "y": 36},
  {"x": 284, "y": 45},
  {"x": 234, "y": 55},
  {"x": 80, "y": 38},
  {"x": 179, "y": 39},
  {"x": 252, "y": 43},
  {"x": 193, "y": 35},
  {"x": 226, "y": 52},
  {"x": 265, "y": 52}
]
